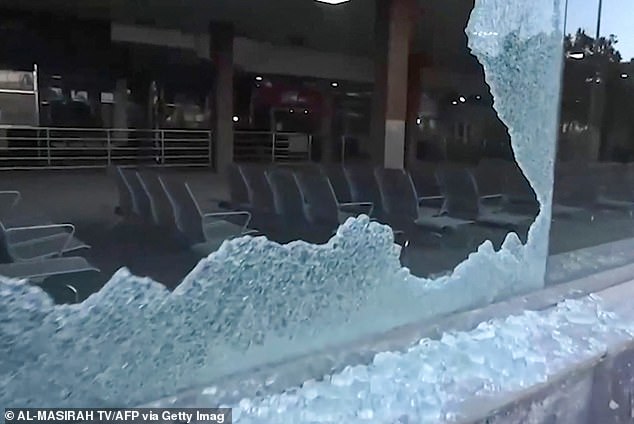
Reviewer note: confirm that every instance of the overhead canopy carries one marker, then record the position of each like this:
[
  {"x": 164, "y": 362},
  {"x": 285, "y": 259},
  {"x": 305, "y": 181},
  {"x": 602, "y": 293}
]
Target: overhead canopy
[{"x": 346, "y": 28}]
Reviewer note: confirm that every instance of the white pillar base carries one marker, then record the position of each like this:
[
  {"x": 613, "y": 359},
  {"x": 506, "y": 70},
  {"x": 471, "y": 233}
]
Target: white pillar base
[{"x": 394, "y": 153}]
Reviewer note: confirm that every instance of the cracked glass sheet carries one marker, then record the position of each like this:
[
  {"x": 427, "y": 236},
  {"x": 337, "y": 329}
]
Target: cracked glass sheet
[{"x": 255, "y": 302}]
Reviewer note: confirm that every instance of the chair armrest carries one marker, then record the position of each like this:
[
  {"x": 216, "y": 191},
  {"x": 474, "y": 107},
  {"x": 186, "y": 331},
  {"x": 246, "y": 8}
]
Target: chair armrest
[
  {"x": 221, "y": 215},
  {"x": 492, "y": 196},
  {"x": 368, "y": 205},
  {"x": 35, "y": 228},
  {"x": 252, "y": 233},
  {"x": 12, "y": 193},
  {"x": 430, "y": 199}
]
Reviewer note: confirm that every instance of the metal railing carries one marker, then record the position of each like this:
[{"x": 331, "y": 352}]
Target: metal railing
[
  {"x": 54, "y": 148},
  {"x": 266, "y": 146}
]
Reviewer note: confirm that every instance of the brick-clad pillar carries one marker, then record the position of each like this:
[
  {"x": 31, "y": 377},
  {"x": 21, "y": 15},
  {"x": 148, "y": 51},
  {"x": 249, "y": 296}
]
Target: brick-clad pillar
[{"x": 395, "y": 24}]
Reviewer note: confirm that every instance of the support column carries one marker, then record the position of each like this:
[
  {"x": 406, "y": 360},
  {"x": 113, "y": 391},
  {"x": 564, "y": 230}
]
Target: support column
[
  {"x": 395, "y": 25},
  {"x": 414, "y": 92},
  {"x": 120, "y": 118},
  {"x": 120, "y": 112},
  {"x": 326, "y": 140},
  {"x": 221, "y": 37}
]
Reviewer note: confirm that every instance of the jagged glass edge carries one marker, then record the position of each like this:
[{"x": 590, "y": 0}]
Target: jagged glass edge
[{"x": 485, "y": 277}]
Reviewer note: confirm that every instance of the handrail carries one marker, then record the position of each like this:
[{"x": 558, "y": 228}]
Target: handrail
[
  {"x": 272, "y": 146},
  {"x": 31, "y": 147}
]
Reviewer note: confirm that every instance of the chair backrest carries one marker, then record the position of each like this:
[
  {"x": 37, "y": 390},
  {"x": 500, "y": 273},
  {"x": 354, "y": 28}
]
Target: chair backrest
[
  {"x": 161, "y": 208},
  {"x": 491, "y": 176},
  {"x": 320, "y": 202},
  {"x": 516, "y": 182},
  {"x": 286, "y": 194},
  {"x": 187, "y": 214},
  {"x": 612, "y": 179},
  {"x": 459, "y": 188},
  {"x": 258, "y": 188},
  {"x": 424, "y": 179},
  {"x": 126, "y": 200},
  {"x": 363, "y": 185},
  {"x": 5, "y": 253},
  {"x": 8, "y": 200},
  {"x": 337, "y": 177},
  {"x": 398, "y": 195},
  {"x": 238, "y": 189},
  {"x": 140, "y": 200}
]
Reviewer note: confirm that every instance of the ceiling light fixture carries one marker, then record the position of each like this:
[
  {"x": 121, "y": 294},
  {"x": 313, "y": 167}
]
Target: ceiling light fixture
[
  {"x": 624, "y": 75},
  {"x": 334, "y": 84},
  {"x": 259, "y": 78},
  {"x": 332, "y": 1},
  {"x": 576, "y": 55},
  {"x": 236, "y": 119},
  {"x": 462, "y": 99}
]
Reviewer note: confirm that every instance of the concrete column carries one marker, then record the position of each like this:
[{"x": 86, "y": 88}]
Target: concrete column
[
  {"x": 395, "y": 25},
  {"x": 414, "y": 93},
  {"x": 221, "y": 37},
  {"x": 120, "y": 112},
  {"x": 326, "y": 123},
  {"x": 120, "y": 118}
]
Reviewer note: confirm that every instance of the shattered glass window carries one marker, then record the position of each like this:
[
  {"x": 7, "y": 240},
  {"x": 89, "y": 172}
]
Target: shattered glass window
[{"x": 319, "y": 256}]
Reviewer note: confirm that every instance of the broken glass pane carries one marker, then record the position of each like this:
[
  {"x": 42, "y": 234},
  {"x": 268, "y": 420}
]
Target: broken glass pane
[{"x": 254, "y": 302}]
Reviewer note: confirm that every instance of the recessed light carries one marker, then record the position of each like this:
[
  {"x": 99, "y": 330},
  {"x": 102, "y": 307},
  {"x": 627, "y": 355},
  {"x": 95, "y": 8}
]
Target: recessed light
[
  {"x": 334, "y": 84},
  {"x": 462, "y": 99},
  {"x": 478, "y": 97},
  {"x": 418, "y": 121},
  {"x": 305, "y": 111},
  {"x": 576, "y": 55},
  {"x": 259, "y": 78},
  {"x": 291, "y": 110},
  {"x": 332, "y": 1},
  {"x": 455, "y": 102},
  {"x": 236, "y": 119},
  {"x": 624, "y": 75}
]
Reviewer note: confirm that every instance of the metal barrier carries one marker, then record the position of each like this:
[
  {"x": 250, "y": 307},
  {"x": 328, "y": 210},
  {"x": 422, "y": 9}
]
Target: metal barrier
[
  {"x": 53, "y": 148},
  {"x": 265, "y": 146}
]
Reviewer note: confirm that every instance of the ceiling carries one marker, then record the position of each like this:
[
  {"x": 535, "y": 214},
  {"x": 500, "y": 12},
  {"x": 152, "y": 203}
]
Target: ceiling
[{"x": 345, "y": 28}]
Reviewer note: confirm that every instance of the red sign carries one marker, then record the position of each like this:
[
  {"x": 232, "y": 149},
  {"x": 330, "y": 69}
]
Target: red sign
[{"x": 282, "y": 95}]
